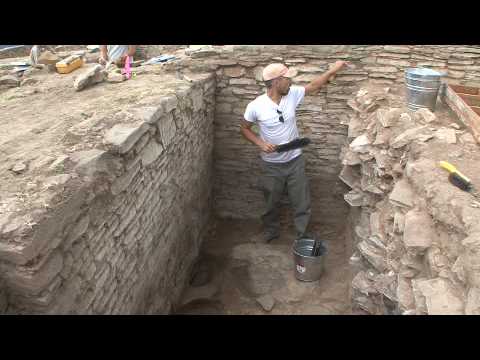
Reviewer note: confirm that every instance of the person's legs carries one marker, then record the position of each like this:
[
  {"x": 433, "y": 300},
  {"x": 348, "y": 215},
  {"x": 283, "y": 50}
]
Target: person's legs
[
  {"x": 299, "y": 195},
  {"x": 273, "y": 186}
]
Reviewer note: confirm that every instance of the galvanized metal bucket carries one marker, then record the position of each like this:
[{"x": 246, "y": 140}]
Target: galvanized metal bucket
[
  {"x": 422, "y": 88},
  {"x": 307, "y": 267}
]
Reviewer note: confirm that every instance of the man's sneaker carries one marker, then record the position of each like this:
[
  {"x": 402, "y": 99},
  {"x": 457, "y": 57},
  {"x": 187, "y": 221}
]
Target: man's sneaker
[{"x": 264, "y": 237}]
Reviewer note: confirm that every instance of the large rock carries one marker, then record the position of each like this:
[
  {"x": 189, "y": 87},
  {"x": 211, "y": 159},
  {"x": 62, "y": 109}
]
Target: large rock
[
  {"x": 363, "y": 284},
  {"x": 419, "y": 232},
  {"x": 441, "y": 298},
  {"x": 406, "y": 137},
  {"x": 151, "y": 152},
  {"x": 89, "y": 77},
  {"x": 374, "y": 255},
  {"x": 350, "y": 177},
  {"x": 402, "y": 194},
  {"x": 124, "y": 136}
]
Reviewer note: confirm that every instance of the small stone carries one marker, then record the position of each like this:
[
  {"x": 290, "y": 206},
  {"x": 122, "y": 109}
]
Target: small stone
[
  {"x": 19, "y": 168},
  {"x": 58, "y": 164},
  {"x": 351, "y": 159},
  {"x": 114, "y": 77},
  {"x": 424, "y": 137},
  {"x": 267, "y": 302},
  {"x": 389, "y": 117},
  {"x": 359, "y": 143},
  {"x": 28, "y": 81},
  {"x": 426, "y": 115}
]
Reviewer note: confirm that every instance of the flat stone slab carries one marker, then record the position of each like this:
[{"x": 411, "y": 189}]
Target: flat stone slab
[{"x": 267, "y": 302}]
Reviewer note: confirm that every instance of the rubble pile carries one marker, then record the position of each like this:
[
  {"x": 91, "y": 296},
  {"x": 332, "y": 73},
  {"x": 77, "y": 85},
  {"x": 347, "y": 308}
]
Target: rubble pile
[{"x": 415, "y": 236}]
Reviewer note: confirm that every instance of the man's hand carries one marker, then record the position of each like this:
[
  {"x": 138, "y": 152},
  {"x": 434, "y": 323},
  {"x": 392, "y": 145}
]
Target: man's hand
[
  {"x": 102, "y": 60},
  {"x": 267, "y": 147},
  {"x": 337, "y": 66},
  {"x": 317, "y": 83}
]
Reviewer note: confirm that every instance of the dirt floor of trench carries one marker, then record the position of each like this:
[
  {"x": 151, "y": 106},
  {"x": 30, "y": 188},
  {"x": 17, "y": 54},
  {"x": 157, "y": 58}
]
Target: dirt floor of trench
[{"x": 232, "y": 272}]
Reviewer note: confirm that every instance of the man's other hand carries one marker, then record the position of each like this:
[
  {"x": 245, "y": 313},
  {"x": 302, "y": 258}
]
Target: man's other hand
[{"x": 267, "y": 147}]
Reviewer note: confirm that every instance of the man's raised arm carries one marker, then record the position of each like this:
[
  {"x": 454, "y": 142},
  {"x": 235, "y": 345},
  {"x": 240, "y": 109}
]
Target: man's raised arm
[{"x": 316, "y": 84}]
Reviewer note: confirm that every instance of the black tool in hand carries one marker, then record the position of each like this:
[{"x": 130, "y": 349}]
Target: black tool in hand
[{"x": 294, "y": 144}]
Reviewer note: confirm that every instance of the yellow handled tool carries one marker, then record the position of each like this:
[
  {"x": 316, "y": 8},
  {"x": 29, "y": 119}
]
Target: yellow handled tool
[{"x": 456, "y": 177}]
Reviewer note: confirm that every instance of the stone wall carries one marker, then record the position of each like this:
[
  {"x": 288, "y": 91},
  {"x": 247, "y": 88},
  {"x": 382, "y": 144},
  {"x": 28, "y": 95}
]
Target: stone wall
[
  {"x": 125, "y": 231},
  {"x": 321, "y": 117},
  {"x": 414, "y": 236},
  {"x": 131, "y": 218}
]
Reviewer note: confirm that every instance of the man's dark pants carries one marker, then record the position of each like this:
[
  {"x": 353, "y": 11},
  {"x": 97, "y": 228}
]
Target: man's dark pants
[{"x": 292, "y": 176}]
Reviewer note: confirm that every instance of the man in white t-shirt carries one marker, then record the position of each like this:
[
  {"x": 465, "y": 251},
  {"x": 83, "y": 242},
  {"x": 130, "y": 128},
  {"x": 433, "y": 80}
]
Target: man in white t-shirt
[
  {"x": 116, "y": 54},
  {"x": 274, "y": 112}
]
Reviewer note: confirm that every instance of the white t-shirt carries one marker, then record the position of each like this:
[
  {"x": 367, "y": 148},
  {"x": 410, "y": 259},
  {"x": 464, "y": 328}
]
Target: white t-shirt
[
  {"x": 263, "y": 111},
  {"x": 115, "y": 52}
]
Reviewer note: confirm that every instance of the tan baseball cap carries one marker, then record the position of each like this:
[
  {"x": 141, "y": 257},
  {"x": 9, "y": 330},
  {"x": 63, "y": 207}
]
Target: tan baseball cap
[{"x": 274, "y": 71}]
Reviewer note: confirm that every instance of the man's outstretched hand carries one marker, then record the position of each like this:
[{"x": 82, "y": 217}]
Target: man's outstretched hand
[{"x": 338, "y": 65}]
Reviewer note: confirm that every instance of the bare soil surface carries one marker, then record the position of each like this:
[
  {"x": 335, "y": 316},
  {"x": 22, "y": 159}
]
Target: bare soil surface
[
  {"x": 238, "y": 271},
  {"x": 44, "y": 122}
]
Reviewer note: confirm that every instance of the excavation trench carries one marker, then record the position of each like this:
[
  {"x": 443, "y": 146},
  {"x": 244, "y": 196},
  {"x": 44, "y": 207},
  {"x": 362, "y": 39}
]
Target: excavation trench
[
  {"x": 142, "y": 198},
  {"x": 233, "y": 275}
]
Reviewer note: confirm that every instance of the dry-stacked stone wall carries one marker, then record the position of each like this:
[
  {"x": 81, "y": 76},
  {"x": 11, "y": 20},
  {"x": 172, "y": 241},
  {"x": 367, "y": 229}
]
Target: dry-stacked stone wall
[
  {"x": 322, "y": 117},
  {"x": 129, "y": 223},
  {"x": 121, "y": 235}
]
